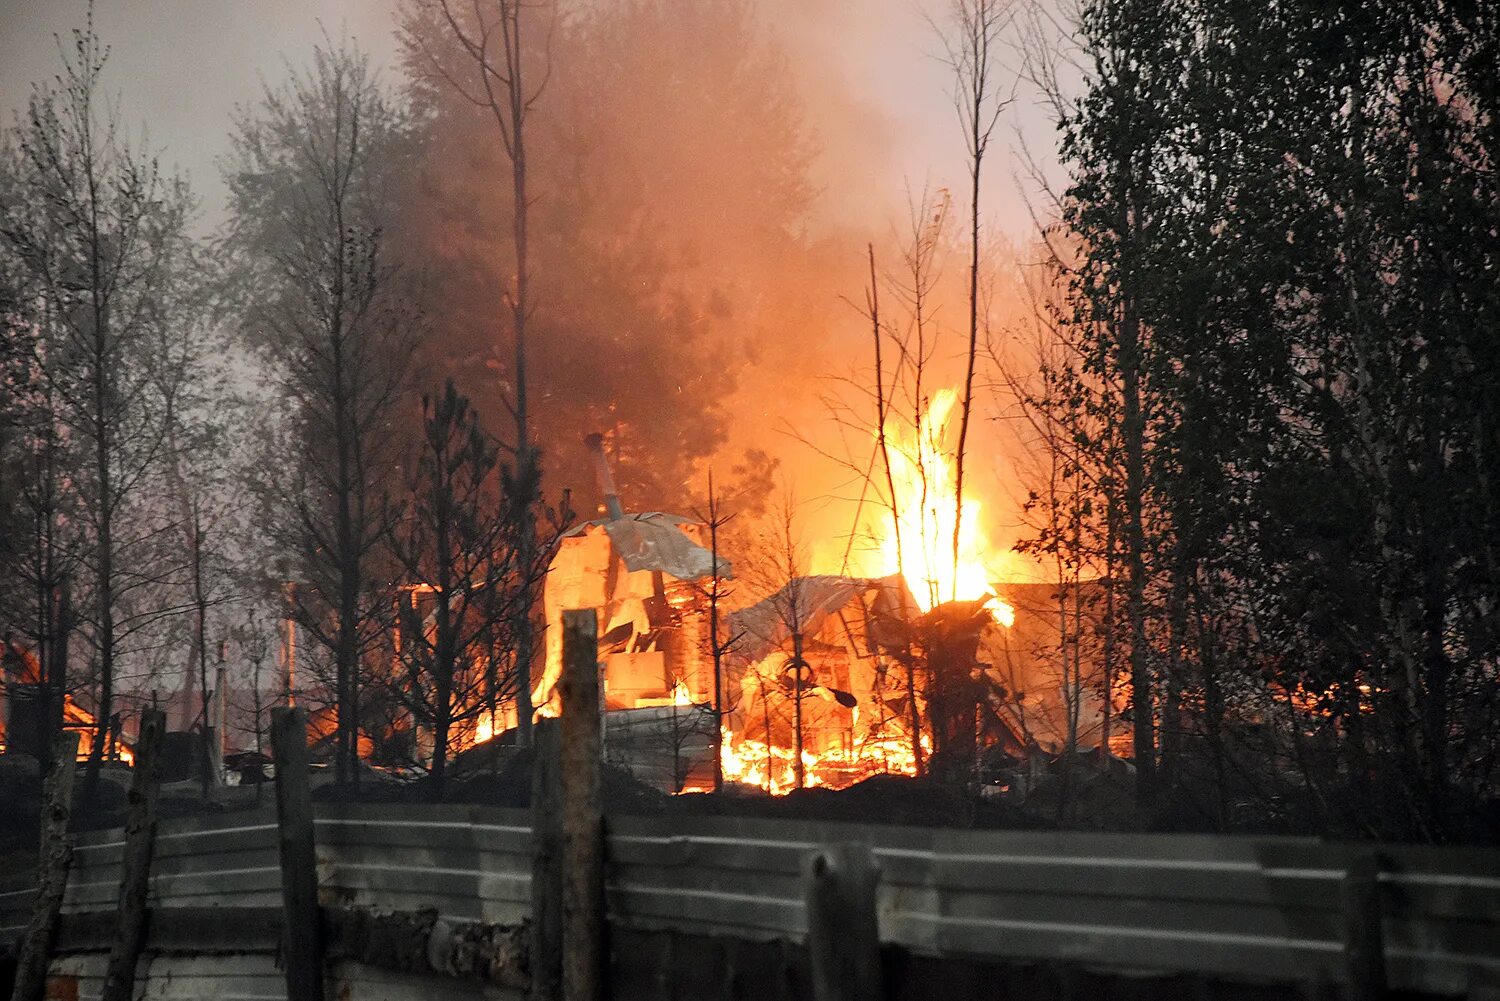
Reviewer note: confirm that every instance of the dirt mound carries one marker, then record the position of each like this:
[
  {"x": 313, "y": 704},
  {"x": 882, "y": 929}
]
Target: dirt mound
[
  {"x": 509, "y": 785},
  {"x": 881, "y": 799}
]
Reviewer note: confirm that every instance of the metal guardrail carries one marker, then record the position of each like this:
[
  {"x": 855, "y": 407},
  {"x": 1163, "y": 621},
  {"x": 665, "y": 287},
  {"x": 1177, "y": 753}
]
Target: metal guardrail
[{"x": 1237, "y": 908}]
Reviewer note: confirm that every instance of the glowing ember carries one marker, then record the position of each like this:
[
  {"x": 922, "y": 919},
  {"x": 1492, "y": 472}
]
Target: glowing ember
[
  {"x": 922, "y": 470},
  {"x": 753, "y": 762}
]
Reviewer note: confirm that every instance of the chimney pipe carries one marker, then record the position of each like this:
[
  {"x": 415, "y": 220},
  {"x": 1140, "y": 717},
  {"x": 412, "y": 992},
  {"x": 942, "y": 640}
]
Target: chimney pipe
[{"x": 612, "y": 504}]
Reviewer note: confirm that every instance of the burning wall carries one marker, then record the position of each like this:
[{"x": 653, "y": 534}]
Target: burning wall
[
  {"x": 24, "y": 706},
  {"x": 637, "y": 572}
]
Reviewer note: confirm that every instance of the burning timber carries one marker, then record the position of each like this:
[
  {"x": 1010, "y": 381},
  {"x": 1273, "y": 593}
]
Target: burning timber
[
  {"x": 32, "y": 705},
  {"x": 831, "y": 679},
  {"x": 826, "y": 681}
]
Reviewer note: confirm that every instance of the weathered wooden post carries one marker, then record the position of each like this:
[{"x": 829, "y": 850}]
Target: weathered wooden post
[
  {"x": 302, "y": 943},
  {"x": 1364, "y": 940},
  {"x": 583, "y": 814},
  {"x": 135, "y": 875},
  {"x": 843, "y": 928},
  {"x": 546, "y": 860},
  {"x": 56, "y": 857}
]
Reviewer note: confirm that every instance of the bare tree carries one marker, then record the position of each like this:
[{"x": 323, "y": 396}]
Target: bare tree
[
  {"x": 311, "y": 177},
  {"x": 714, "y": 593},
  {"x": 490, "y": 70},
  {"x": 199, "y": 478},
  {"x": 897, "y": 474},
  {"x": 38, "y": 537},
  {"x": 101, "y": 235},
  {"x": 972, "y": 51},
  {"x": 780, "y": 569},
  {"x": 253, "y": 638}
]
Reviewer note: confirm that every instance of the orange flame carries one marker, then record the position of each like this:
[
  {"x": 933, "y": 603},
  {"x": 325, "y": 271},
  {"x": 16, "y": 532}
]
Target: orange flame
[
  {"x": 925, "y": 501},
  {"x": 773, "y": 768}
]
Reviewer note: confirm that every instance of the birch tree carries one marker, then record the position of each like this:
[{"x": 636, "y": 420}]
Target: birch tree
[{"x": 102, "y": 237}]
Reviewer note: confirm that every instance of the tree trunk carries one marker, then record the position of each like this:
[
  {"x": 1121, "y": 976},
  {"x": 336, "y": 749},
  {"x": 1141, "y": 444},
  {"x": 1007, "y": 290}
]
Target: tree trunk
[
  {"x": 442, "y": 718},
  {"x": 135, "y": 869},
  {"x": 57, "y": 856},
  {"x": 1141, "y": 686},
  {"x": 799, "y": 768},
  {"x": 584, "y": 952},
  {"x": 1130, "y": 358},
  {"x": 527, "y": 458}
]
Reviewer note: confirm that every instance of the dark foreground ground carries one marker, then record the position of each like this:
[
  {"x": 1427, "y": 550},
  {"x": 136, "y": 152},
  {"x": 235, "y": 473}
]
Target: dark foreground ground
[
  {"x": 1094, "y": 799},
  {"x": 505, "y": 781}
]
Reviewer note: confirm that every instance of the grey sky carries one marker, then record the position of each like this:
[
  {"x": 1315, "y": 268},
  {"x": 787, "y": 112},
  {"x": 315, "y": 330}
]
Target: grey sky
[{"x": 179, "y": 67}]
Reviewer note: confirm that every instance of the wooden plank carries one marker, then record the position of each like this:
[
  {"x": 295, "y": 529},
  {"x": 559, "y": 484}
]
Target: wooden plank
[
  {"x": 1364, "y": 947},
  {"x": 740, "y": 915},
  {"x": 56, "y": 851},
  {"x": 583, "y": 815},
  {"x": 302, "y": 942},
  {"x": 546, "y": 864},
  {"x": 135, "y": 875},
  {"x": 843, "y": 932}
]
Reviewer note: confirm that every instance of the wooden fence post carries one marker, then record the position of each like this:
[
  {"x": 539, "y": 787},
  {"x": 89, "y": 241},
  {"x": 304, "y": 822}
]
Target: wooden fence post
[
  {"x": 135, "y": 867},
  {"x": 546, "y": 860},
  {"x": 583, "y": 815},
  {"x": 843, "y": 929},
  {"x": 302, "y": 942},
  {"x": 1364, "y": 942},
  {"x": 56, "y": 857}
]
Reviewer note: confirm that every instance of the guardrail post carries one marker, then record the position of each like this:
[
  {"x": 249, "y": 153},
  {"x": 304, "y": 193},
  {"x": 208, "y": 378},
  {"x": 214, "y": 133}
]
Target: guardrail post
[
  {"x": 583, "y": 815},
  {"x": 57, "y": 857},
  {"x": 302, "y": 942},
  {"x": 1364, "y": 943},
  {"x": 135, "y": 874},
  {"x": 546, "y": 860},
  {"x": 843, "y": 928}
]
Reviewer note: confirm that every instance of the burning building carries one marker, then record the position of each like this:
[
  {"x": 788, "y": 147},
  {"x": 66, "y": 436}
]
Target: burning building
[
  {"x": 32, "y": 706},
  {"x": 821, "y": 686},
  {"x": 641, "y": 574},
  {"x": 907, "y": 661}
]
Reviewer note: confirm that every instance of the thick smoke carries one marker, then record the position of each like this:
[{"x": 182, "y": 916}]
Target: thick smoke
[{"x": 706, "y": 177}]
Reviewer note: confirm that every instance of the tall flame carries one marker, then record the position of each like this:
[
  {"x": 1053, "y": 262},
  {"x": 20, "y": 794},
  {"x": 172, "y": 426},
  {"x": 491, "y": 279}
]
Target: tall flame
[{"x": 919, "y": 540}]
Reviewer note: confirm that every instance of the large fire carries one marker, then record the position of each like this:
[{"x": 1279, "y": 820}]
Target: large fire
[
  {"x": 918, "y": 541},
  {"x": 911, "y": 536},
  {"x": 860, "y": 698}
]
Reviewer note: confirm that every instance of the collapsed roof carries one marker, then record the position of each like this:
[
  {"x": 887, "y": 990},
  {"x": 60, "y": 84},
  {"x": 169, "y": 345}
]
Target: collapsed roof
[
  {"x": 804, "y": 603},
  {"x": 655, "y": 540}
]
